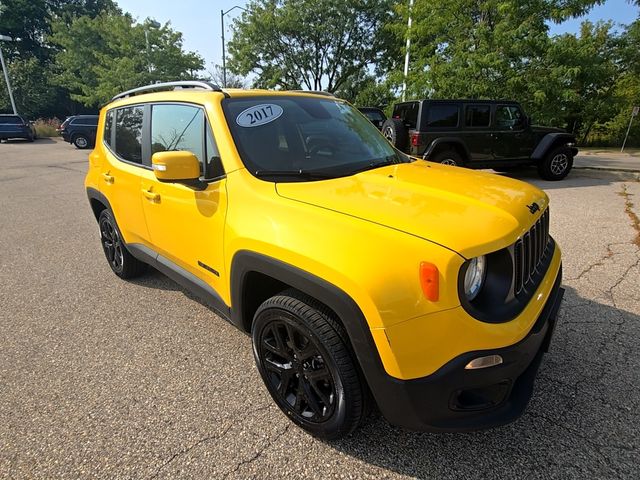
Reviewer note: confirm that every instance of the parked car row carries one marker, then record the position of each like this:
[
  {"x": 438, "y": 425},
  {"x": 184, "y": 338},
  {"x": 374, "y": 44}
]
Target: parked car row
[
  {"x": 79, "y": 130},
  {"x": 15, "y": 126}
]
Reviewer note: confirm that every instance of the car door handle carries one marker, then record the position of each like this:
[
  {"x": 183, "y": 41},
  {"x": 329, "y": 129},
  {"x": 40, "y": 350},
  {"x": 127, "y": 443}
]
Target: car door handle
[
  {"x": 108, "y": 178},
  {"x": 148, "y": 194}
]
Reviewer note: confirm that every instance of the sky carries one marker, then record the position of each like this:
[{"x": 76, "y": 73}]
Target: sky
[{"x": 199, "y": 20}]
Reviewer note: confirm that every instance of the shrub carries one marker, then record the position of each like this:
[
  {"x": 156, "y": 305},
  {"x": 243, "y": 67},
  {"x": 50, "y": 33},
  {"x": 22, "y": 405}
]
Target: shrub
[{"x": 47, "y": 127}]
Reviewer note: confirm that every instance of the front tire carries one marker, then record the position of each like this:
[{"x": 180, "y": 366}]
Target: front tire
[
  {"x": 303, "y": 356},
  {"x": 81, "y": 142},
  {"x": 120, "y": 260},
  {"x": 556, "y": 165}
]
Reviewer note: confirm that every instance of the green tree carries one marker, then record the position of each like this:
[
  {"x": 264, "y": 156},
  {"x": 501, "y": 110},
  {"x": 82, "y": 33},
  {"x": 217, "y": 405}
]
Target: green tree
[
  {"x": 30, "y": 21},
  {"x": 32, "y": 92},
  {"x": 365, "y": 90},
  {"x": 313, "y": 44},
  {"x": 102, "y": 56},
  {"x": 478, "y": 48},
  {"x": 579, "y": 84}
]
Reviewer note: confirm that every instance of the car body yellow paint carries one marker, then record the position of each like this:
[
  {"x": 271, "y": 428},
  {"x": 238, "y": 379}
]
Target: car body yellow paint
[{"x": 366, "y": 234}]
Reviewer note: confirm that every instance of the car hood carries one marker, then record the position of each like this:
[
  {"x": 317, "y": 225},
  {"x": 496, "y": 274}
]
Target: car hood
[{"x": 467, "y": 211}]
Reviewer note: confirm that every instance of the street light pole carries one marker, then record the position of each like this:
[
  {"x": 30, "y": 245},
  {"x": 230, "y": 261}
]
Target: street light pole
[
  {"x": 149, "y": 23},
  {"x": 6, "y": 74},
  {"x": 224, "y": 58},
  {"x": 406, "y": 57}
]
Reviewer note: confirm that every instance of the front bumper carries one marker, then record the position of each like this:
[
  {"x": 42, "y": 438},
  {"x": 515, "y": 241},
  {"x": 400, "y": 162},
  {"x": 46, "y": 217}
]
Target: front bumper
[{"x": 455, "y": 399}]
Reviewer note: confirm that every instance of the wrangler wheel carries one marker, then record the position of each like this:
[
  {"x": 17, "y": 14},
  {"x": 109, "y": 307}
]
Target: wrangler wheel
[
  {"x": 304, "y": 359},
  {"x": 557, "y": 164},
  {"x": 120, "y": 260}
]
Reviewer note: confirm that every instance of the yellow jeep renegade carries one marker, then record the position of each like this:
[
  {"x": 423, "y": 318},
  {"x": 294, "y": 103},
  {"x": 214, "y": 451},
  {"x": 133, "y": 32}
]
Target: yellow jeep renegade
[{"x": 365, "y": 277}]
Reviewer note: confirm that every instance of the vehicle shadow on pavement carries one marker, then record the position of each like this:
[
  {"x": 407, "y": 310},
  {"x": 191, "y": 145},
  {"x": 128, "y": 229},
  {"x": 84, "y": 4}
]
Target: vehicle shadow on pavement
[
  {"x": 578, "y": 178},
  {"x": 582, "y": 419},
  {"x": 39, "y": 140},
  {"x": 158, "y": 280}
]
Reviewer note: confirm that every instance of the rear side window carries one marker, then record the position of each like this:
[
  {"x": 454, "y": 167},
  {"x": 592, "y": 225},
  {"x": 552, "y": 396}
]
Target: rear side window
[
  {"x": 11, "y": 120},
  {"x": 85, "y": 121},
  {"x": 128, "y": 144},
  {"x": 478, "y": 116},
  {"x": 408, "y": 113},
  {"x": 509, "y": 117},
  {"x": 108, "y": 127},
  {"x": 442, "y": 116}
]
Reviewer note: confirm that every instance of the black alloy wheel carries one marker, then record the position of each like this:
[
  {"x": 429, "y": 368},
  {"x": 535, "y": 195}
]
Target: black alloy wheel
[
  {"x": 303, "y": 356},
  {"x": 297, "y": 371},
  {"x": 111, "y": 244},
  {"x": 120, "y": 260}
]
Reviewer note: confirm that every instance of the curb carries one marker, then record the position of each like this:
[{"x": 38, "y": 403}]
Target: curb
[{"x": 608, "y": 169}]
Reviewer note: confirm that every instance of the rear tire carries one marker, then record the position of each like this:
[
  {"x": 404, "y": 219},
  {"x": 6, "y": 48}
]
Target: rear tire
[
  {"x": 81, "y": 142},
  {"x": 303, "y": 356},
  {"x": 120, "y": 260},
  {"x": 448, "y": 157},
  {"x": 396, "y": 133},
  {"x": 556, "y": 165}
]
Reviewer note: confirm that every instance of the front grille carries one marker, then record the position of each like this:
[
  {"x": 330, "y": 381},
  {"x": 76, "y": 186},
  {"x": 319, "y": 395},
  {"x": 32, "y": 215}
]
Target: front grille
[{"x": 529, "y": 251}]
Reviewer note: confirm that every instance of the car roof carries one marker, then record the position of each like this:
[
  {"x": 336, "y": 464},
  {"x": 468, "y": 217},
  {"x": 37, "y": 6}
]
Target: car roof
[{"x": 203, "y": 96}]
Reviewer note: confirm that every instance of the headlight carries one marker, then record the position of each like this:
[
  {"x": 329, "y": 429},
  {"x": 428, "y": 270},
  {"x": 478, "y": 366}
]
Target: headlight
[{"x": 474, "y": 278}]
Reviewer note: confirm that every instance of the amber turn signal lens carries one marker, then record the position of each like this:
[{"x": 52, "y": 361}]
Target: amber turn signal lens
[{"x": 430, "y": 281}]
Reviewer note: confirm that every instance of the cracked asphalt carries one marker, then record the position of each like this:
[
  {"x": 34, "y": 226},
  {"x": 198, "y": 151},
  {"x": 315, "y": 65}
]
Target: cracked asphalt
[{"x": 101, "y": 378}]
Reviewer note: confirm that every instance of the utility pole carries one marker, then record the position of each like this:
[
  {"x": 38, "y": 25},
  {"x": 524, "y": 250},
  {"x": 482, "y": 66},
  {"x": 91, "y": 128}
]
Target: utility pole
[
  {"x": 406, "y": 57},
  {"x": 149, "y": 23},
  {"x": 634, "y": 113},
  {"x": 4, "y": 38},
  {"x": 224, "y": 58}
]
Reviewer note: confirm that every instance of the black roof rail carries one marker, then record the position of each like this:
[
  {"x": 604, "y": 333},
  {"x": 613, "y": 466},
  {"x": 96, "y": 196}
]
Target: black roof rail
[{"x": 169, "y": 85}]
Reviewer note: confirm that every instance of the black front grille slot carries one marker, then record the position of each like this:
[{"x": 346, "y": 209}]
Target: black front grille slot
[{"x": 529, "y": 253}]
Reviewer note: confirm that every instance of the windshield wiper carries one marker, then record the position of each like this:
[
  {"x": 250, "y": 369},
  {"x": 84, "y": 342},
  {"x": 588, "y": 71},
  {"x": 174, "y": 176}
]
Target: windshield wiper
[
  {"x": 292, "y": 173},
  {"x": 389, "y": 160}
]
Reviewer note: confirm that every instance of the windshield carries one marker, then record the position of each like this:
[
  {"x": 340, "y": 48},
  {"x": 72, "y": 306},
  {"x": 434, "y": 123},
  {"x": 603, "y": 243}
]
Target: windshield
[{"x": 305, "y": 138}]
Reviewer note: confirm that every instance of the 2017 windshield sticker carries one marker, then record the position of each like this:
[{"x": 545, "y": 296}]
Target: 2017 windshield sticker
[{"x": 259, "y": 115}]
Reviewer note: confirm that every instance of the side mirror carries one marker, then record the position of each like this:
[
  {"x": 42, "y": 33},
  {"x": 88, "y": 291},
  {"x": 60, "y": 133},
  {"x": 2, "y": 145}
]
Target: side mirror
[
  {"x": 527, "y": 121},
  {"x": 175, "y": 166}
]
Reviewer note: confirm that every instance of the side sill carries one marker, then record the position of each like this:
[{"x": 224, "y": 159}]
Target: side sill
[{"x": 178, "y": 274}]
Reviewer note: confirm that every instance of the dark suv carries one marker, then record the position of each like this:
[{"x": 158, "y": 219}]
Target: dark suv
[
  {"x": 479, "y": 134},
  {"x": 14, "y": 126},
  {"x": 80, "y": 130}
]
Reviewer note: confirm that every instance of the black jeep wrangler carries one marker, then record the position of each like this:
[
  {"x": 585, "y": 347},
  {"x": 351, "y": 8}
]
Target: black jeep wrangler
[{"x": 479, "y": 134}]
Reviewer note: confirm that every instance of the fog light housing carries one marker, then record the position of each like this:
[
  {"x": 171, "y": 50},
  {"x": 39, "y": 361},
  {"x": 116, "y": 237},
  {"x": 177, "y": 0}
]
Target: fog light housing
[{"x": 484, "y": 362}]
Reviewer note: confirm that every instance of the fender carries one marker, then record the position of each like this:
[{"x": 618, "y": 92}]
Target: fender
[
  {"x": 548, "y": 141},
  {"x": 352, "y": 318},
  {"x": 447, "y": 140},
  {"x": 94, "y": 194}
]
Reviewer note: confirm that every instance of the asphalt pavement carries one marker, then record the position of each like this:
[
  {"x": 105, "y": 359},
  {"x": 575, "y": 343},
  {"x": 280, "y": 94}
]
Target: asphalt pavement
[{"x": 102, "y": 378}]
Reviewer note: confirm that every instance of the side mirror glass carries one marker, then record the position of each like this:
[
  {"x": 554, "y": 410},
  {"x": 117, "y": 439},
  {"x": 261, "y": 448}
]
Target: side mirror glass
[{"x": 175, "y": 166}]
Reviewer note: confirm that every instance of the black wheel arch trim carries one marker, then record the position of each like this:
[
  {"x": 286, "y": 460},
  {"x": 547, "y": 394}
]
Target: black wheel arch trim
[
  {"x": 349, "y": 313},
  {"x": 447, "y": 141},
  {"x": 550, "y": 141}
]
